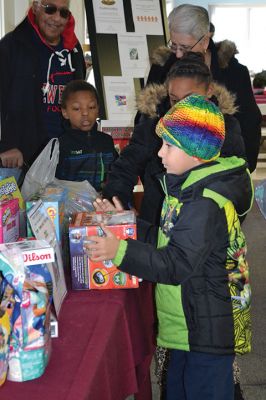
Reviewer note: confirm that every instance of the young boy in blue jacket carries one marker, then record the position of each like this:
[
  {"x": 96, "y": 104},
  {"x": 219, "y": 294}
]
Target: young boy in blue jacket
[
  {"x": 199, "y": 264},
  {"x": 84, "y": 152}
]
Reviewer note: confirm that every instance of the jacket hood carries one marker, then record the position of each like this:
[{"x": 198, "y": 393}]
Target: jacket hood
[
  {"x": 225, "y": 51},
  {"x": 229, "y": 177},
  {"x": 151, "y": 97},
  {"x": 160, "y": 55},
  {"x": 69, "y": 38},
  {"x": 69, "y": 42}
]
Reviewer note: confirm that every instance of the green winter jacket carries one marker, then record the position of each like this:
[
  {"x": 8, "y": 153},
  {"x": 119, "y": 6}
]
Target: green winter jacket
[{"x": 203, "y": 292}]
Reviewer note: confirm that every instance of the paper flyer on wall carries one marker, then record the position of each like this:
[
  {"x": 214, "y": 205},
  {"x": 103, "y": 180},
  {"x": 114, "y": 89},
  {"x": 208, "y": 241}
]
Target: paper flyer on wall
[
  {"x": 147, "y": 17},
  {"x": 120, "y": 98},
  {"x": 43, "y": 229},
  {"x": 109, "y": 16},
  {"x": 134, "y": 55}
]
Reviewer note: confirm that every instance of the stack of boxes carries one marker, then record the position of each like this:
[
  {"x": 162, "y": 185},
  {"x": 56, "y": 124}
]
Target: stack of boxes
[{"x": 25, "y": 296}]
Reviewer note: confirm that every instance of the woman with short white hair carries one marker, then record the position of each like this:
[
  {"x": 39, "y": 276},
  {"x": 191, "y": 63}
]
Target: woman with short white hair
[{"x": 189, "y": 27}]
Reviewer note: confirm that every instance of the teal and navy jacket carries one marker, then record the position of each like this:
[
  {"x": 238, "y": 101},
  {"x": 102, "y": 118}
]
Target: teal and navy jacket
[
  {"x": 85, "y": 156},
  {"x": 203, "y": 291}
]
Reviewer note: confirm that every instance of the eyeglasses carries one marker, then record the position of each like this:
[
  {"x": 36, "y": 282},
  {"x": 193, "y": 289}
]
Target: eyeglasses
[
  {"x": 51, "y": 9},
  {"x": 183, "y": 48}
]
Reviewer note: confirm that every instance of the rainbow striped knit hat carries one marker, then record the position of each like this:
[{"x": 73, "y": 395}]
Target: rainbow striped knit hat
[{"x": 195, "y": 125}]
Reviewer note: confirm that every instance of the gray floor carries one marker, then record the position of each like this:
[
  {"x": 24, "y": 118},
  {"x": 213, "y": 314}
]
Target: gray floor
[{"x": 253, "y": 365}]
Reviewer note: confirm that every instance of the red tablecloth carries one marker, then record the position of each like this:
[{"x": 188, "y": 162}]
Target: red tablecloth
[{"x": 104, "y": 350}]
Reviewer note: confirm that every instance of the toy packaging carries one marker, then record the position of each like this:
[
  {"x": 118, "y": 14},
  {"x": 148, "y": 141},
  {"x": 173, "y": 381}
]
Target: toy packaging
[
  {"x": 9, "y": 220},
  {"x": 53, "y": 199},
  {"x": 9, "y": 190},
  {"x": 26, "y": 295},
  {"x": 44, "y": 229},
  {"x": 4, "y": 336},
  {"x": 99, "y": 275}
]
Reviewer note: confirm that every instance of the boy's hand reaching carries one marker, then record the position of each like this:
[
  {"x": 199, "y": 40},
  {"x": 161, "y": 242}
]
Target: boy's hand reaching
[
  {"x": 103, "y": 248},
  {"x": 106, "y": 205}
]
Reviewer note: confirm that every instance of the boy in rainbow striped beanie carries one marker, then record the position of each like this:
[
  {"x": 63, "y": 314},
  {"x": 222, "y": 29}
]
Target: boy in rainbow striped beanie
[
  {"x": 197, "y": 256},
  {"x": 194, "y": 125}
]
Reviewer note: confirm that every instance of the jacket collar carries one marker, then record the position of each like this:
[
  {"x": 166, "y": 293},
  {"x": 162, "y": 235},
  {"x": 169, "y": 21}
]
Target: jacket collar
[
  {"x": 228, "y": 177},
  {"x": 71, "y": 131}
]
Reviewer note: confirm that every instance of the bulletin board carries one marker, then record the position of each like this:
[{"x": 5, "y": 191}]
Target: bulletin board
[{"x": 123, "y": 36}]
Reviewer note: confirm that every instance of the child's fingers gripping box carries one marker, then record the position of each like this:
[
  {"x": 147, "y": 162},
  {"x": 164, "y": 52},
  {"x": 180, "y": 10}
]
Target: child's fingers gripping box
[{"x": 87, "y": 274}]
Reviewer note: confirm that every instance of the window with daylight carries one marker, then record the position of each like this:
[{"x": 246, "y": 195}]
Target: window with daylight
[
  {"x": 245, "y": 25},
  {"x": 2, "y": 25}
]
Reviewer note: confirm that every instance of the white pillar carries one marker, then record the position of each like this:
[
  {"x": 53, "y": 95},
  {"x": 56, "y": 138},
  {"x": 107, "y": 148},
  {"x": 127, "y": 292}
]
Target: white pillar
[
  {"x": 21, "y": 8},
  {"x": 14, "y": 12},
  {"x": 77, "y": 8}
]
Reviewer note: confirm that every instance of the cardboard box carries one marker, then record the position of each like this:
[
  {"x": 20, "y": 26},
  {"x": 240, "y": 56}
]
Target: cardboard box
[
  {"x": 54, "y": 326},
  {"x": 53, "y": 199},
  {"x": 99, "y": 275},
  {"x": 44, "y": 229},
  {"x": 9, "y": 220},
  {"x": 27, "y": 298},
  {"x": 34, "y": 252},
  {"x": 9, "y": 190},
  {"x": 120, "y": 134}
]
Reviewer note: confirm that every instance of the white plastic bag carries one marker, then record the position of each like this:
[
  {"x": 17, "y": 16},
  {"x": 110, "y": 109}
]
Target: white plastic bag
[
  {"x": 42, "y": 170},
  {"x": 80, "y": 196}
]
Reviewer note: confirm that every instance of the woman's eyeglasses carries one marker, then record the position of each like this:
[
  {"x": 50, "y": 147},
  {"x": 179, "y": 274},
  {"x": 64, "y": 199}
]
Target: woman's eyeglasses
[
  {"x": 51, "y": 9},
  {"x": 183, "y": 48}
]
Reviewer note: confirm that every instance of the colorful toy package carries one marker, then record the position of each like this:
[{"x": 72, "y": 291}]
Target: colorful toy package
[
  {"x": 53, "y": 198},
  {"x": 26, "y": 295},
  {"x": 4, "y": 337},
  {"x": 87, "y": 274},
  {"x": 9, "y": 220},
  {"x": 9, "y": 190}
]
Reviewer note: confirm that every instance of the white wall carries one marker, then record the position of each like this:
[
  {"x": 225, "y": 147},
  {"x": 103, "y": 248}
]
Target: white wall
[
  {"x": 206, "y": 3},
  {"x": 14, "y": 12},
  {"x": 78, "y": 10}
]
